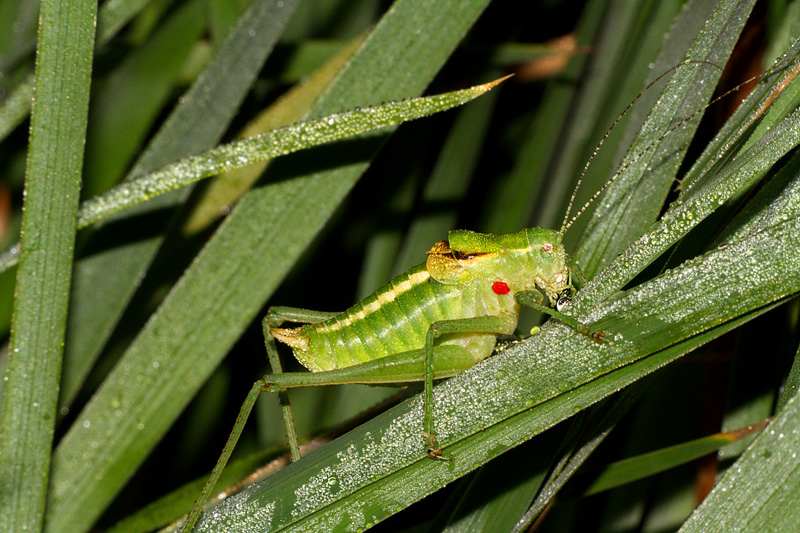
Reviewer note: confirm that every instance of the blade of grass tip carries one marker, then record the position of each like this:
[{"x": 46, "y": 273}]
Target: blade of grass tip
[
  {"x": 448, "y": 182},
  {"x": 651, "y": 463},
  {"x": 256, "y": 149},
  {"x": 228, "y": 283},
  {"x": 52, "y": 185},
  {"x": 391, "y": 250},
  {"x": 282, "y": 141}
]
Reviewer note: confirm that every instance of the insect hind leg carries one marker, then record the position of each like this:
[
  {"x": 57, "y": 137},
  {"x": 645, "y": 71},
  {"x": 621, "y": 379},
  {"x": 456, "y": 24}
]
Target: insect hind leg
[
  {"x": 277, "y": 315},
  {"x": 258, "y": 387}
]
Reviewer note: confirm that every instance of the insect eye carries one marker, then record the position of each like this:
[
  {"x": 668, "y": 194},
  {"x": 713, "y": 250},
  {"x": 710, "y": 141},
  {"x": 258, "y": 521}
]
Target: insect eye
[
  {"x": 461, "y": 255},
  {"x": 547, "y": 248}
]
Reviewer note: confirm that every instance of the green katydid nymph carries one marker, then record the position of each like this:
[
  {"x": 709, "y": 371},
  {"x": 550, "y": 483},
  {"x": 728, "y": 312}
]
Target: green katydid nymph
[{"x": 433, "y": 321}]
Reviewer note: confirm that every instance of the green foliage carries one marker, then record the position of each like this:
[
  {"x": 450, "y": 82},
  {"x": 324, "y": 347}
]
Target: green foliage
[{"x": 691, "y": 255}]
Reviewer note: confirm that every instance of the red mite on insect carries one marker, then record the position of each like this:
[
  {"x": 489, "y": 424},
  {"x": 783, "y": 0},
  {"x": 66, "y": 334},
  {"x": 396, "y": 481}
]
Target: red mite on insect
[{"x": 500, "y": 287}]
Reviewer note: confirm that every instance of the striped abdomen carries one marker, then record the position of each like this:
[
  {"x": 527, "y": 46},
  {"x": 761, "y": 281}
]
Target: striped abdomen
[{"x": 396, "y": 319}]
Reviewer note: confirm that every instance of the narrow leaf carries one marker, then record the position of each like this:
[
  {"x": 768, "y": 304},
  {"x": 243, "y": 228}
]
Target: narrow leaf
[
  {"x": 52, "y": 185},
  {"x": 265, "y": 146},
  {"x": 759, "y": 492}
]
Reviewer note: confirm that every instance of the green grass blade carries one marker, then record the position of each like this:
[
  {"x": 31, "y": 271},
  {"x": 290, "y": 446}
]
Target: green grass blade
[
  {"x": 256, "y": 149},
  {"x": 760, "y": 491},
  {"x": 227, "y": 284},
  {"x": 522, "y": 391},
  {"x": 645, "y": 465},
  {"x": 64, "y": 60},
  {"x": 266, "y": 146}
]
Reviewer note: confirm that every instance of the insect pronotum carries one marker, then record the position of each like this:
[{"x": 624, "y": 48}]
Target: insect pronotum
[{"x": 431, "y": 322}]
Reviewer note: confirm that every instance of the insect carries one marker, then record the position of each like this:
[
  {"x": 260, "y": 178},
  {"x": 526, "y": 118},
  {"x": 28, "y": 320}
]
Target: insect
[{"x": 431, "y": 322}]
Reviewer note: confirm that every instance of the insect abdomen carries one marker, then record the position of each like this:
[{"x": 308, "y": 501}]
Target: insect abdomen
[
  {"x": 391, "y": 320},
  {"x": 394, "y": 319}
]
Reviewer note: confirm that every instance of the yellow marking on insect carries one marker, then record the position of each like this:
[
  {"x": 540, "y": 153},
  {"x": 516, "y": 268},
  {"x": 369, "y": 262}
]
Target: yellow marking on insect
[
  {"x": 382, "y": 299},
  {"x": 418, "y": 277}
]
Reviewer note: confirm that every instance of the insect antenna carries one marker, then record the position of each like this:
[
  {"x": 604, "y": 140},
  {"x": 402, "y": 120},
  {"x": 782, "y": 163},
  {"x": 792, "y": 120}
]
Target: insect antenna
[{"x": 567, "y": 222}]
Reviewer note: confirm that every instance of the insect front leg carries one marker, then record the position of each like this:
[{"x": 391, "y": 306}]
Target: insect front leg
[
  {"x": 483, "y": 324},
  {"x": 533, "y": 299},
  {"x": 576, "y": 277}
]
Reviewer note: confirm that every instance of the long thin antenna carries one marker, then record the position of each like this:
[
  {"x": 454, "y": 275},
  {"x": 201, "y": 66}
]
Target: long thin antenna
[
  {"x": 564, "y": 224},
  {"x": 567, "y": 222}
]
